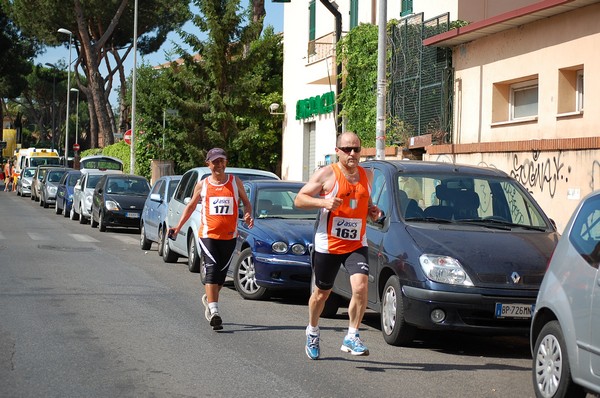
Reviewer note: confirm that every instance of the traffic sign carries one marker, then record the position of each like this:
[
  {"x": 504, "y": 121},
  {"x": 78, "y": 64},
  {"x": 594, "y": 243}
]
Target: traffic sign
[
  {"x": 127, "y": 137},
  {"x": 75, "y": 147}
]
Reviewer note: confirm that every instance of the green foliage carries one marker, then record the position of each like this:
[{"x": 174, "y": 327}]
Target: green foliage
[
  {"x": 16, "y": 52},
  {"x": 221, "y": 99},
  {"x": 357, "y": 52},
  {"x": 120, "y": 150}
]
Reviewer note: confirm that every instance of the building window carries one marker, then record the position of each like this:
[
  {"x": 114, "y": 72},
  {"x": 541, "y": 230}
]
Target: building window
[
  {"x": 515, "y": 100},
  {"x": 353, "y": 13},
  {"x": 407, "y": 8},
  {"x": 570, "y": 91},
  {"x": 579, "y": 104},
  {"x": 523, "y": 100}
]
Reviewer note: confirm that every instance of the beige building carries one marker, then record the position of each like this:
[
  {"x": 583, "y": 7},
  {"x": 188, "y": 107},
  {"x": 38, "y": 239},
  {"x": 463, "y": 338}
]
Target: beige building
[
  {"x": 518, "y": 95},
  {"x": 310, "y": 74},
  {"x": 521, "y": 80}
]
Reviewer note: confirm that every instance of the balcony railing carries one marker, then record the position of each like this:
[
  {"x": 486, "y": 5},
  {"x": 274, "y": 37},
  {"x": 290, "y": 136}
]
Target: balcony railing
[{"x": 321, "y": 48}]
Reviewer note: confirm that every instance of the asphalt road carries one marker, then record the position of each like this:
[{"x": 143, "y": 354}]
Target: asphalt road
[{"x": 88, "y": 314}]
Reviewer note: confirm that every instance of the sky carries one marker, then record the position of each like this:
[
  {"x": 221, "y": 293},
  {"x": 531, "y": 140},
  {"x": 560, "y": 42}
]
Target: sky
[{"x": 53, "y": 55}]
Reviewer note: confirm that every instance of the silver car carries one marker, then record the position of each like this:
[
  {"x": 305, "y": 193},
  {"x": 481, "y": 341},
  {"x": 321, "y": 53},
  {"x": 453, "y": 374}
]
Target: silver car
[
  {"x": 186, "y": 242},
  {"x": 83, "y": 192},
  {"x": 565, "y": 333},
  {"x": 24, "y": 181}
]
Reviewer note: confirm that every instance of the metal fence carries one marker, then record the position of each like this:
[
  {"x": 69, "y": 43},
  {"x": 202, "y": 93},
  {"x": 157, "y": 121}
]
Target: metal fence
[{"x": 420, "y": 89}]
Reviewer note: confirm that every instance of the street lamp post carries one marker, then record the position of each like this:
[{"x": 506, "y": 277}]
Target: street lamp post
[
  {"x": 76, "y": 116},
  {"x": 76, "y": 146},
  {"x": 67, "y": 32},
  {"x": 133, "y": 89},
  {"x": 53, "y": 102}
]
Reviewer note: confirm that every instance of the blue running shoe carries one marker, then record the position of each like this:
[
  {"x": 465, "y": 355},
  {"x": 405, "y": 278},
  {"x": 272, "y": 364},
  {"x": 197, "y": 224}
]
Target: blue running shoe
[
  {"x": 354, "y": 346},
  {"x": 312, "y": 346}
]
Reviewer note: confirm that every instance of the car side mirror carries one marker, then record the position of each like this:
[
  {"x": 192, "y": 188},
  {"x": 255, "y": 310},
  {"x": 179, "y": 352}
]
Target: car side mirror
[
  {"x": 186, "y": 200},
  {"x": 155, "y": 197}
]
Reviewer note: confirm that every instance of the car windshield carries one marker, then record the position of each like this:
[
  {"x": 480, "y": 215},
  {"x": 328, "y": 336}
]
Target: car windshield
[
  {"x": 127, "y": 186},
  {"x": 28, "y": 173},
  {"x": 279, "y": 203},
  {"x": 488, "y": 201},
  {"x": 101, "y": 163},
  {"x": 44, "y": 161}
]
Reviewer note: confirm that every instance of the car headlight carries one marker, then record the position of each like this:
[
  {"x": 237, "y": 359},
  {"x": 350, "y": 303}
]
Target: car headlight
[
  {"x": 70, "y": 196},
  {"x": 298, "y": 249},
  {"x": 88, "y": 201},
  {"x": 444, "y": 269},
  {"x": 111, "y": 205},
  {"x": 279, "y": 247},
  {"x": 52, "y": 191}
]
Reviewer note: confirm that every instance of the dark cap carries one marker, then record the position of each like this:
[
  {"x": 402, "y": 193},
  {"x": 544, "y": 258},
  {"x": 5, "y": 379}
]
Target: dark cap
[{"x": 215, "y": 154}]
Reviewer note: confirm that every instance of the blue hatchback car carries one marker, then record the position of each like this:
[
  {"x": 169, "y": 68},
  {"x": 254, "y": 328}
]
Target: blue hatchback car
[
  {"x": 460, "y": 248},
  {"x": 64, "y": 192},
  {"x": 274, "y": 253},
  {"x": 154, "y": 215}
]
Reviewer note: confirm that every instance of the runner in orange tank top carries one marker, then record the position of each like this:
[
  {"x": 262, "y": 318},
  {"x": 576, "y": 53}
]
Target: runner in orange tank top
[
  {"x": 342, "y": 193},
  {"x": 219, "y": 194}
]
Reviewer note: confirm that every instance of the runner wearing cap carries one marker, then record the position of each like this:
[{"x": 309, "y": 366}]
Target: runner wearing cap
[{"x": 219, "y": 195}]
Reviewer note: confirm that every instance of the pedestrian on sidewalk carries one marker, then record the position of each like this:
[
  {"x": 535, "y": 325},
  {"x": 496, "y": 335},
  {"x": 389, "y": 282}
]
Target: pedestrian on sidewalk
[
  {"x": 342, "y": 193},
  {"x": 219, "y": 195}
]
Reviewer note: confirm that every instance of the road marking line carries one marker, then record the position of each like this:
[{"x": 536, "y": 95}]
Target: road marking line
[
  {"x": 126, "y": 239},
  {"x": 37, "y": 236},
  {"x": 83, "y": 238}
]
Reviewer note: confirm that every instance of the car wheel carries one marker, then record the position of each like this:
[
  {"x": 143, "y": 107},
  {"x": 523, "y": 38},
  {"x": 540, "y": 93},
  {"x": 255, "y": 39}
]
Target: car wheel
[
  {"x": 393, "y": 325},
  {"x": 82, "y": 219},
  {"x": 145, "y": 244},
  {"x": 72, "y": 215},
  {"x": 168, "y": 255},
  {"x": 551, "y": 371},
  {"x": 42, "y": 202},
  {"x": 18, "y": 193},
  {"x": 333, "y": 301},
  {"x": 244, "y": 278},
  {"x": 193, "y": 254},
  {"x": 65, "y": 212},
  {"x": 161, "y": 240},
  {"x": 93, "y": 222},
  {"x": 57, "y": 209},
  {"x": 101, "y": 222}
]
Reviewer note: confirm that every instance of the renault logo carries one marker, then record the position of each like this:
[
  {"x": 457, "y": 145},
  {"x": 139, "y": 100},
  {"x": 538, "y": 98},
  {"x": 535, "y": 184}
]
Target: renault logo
[{"x": 516, "y": 278}]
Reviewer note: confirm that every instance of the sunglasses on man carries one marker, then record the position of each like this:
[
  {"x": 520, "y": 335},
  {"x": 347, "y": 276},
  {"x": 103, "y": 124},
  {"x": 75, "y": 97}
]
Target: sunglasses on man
[{"x": 349, "y": 149}]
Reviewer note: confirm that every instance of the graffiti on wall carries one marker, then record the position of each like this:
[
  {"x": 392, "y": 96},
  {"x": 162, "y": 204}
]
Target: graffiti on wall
[{"x": 538, "y": 173}]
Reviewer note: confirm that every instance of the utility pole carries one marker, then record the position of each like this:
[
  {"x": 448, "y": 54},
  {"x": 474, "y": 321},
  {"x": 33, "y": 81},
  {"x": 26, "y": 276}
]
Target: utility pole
[{"x": 381, "y": 81}]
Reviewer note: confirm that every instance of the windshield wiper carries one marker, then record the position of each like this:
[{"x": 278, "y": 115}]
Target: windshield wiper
[
  {"x": 429, "y": 219},
  {"x": 500, "y": 224}
]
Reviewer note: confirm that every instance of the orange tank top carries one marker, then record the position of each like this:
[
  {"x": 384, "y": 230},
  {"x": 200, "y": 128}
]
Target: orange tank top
[
  {"x": 343, "y": 230},
  {"x": 219, "y": 211}
]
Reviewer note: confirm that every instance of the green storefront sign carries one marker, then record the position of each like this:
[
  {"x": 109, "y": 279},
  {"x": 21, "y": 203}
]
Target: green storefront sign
[{"x": 319, "y": 105}]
